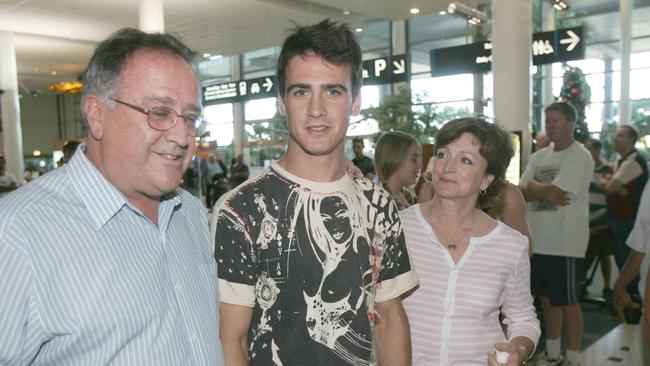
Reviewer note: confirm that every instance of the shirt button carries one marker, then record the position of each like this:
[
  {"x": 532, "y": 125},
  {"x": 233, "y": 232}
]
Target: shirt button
[{"x": 179, "y": 286}]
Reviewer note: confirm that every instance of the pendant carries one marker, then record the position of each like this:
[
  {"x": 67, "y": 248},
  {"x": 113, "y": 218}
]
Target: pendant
[{"x": 452, "y": 246}]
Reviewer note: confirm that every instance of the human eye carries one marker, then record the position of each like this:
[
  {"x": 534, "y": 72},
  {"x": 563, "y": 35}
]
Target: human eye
[
  {"x": 466, "y": 161},
  {"x": 440, "y": 155},
  {"x": 161, "y": 113},
  {"x": 299, "y": 92},
  {"x": 334, "y": 92}
]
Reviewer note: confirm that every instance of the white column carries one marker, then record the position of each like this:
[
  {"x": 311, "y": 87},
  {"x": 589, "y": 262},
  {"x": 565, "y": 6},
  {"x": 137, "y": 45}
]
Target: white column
[
  {"x": 152, "y": 16},
  {"x": 12, "y": 133},
  {"x": 626, "y": 50},
  {"x": 548, "y": 69},
  {"x": 237, "y": 109},
  {"x": 511, "y": 66},
  {"x": 399, "y": 43}
]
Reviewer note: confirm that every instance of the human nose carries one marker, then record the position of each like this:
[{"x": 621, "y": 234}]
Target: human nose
[
  {"x": 449, "y": 165},
  {"x": 316, "y": 106},
  {"x": 178, "y": 133}
]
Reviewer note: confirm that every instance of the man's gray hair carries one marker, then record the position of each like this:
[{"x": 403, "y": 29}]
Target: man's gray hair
[{"x": 106, "y": 64}]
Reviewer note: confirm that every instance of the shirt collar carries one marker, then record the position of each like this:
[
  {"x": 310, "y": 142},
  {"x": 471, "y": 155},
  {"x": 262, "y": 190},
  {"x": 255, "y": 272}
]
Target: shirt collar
[{"x": 100, "y": 197}]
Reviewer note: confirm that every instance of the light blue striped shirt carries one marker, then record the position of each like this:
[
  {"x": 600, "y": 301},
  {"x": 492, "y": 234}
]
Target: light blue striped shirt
[{"x": 86, "y": 279}]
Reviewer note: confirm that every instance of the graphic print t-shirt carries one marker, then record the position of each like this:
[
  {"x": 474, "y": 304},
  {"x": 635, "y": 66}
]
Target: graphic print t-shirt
[{"x": 312, "y": 259}]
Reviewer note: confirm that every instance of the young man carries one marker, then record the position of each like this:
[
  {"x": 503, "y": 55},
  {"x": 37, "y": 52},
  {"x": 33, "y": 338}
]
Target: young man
[
  {"x": 624, "y": 187},
  {"x": 312, "y": 262},
  {"x": 105, "y": 260},
  {"x": 556, "y": 183},
  {"x": 364, "y": 163}
]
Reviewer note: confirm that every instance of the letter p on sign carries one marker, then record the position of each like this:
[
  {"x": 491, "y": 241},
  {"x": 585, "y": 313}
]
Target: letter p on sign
[{"x": 380, "y": 65}]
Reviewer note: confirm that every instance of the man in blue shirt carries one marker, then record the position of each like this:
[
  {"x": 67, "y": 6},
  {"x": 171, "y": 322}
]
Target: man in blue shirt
[{"x": 106, "y": 260}]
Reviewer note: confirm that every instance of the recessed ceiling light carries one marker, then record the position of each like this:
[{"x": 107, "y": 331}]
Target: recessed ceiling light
[
  {"x": 442, "y": 12},
  {"x": 206, "y": 55},
  {"x": 215, "y": 57},
  {"x": 346, "y": 12},
  {"x": 53, "y": 72},
  {"x": 415, "y": 11},
  {"x": 359, "y": 29}
]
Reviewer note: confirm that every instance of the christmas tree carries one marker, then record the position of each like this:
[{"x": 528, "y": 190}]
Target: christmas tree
[{"x": 576, "y": 91}]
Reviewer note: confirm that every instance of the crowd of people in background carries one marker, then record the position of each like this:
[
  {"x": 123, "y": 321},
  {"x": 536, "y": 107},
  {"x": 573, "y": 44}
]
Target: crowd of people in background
[{"x": 309, "y": 261}]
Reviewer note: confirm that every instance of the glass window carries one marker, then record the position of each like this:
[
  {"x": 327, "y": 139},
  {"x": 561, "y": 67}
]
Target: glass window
[
  {"x": 640, "y": 60},
  {"x": 596, "y": 83},
  {"x": 639, "y": 83},
  {"x": 220, "y": 123},
  {"x": 214, "y": 71},
  {"x": 260, "y": 62},
  {"x": 260, "y": 109},
  {"x": 369, "y": 96},
  {"x": 594, "y": 116},
  {"x": 266, "y": 140},
  {"x": 445, "y": 88}
]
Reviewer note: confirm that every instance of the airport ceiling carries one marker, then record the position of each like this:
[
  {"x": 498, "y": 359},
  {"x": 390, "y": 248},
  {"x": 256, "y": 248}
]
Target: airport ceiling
[{"x": 60, "y": 35}]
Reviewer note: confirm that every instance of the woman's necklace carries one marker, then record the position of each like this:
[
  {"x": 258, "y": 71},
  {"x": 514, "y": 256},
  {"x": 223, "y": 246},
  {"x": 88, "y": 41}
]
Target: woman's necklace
[{"x": 451, "y": 244}]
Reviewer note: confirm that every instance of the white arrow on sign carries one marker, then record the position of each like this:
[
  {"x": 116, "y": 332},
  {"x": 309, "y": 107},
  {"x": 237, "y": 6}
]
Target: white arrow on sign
[
  {"x": 399, "y": 67},
  {"x": 268, "y": 84},
  {"x": 573, "y": 40}
]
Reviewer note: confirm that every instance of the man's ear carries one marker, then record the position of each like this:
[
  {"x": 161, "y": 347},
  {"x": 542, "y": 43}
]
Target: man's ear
[
  {"x": 356, "y": 105},
  {"x": 283, "y": 108},
  {"x": 94, "y": 111}
]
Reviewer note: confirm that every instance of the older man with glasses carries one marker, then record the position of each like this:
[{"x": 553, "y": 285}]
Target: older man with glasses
[{"x": 106, "y": 260}]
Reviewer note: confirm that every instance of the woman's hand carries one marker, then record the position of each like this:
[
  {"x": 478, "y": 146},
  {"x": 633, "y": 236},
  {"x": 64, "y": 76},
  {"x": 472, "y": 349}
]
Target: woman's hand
[{"x": 514, "y": 357}]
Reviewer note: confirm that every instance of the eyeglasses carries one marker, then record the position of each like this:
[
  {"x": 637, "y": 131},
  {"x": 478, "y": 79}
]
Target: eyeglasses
[{"x": 163, "y": 119}]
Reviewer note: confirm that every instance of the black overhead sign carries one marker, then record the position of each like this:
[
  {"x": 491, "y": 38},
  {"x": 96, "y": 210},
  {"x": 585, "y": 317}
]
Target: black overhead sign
[
  {"x": 547, "y": 47},
  {"x": 386, "y": 70},
  {"x": 240, "y": 91}
]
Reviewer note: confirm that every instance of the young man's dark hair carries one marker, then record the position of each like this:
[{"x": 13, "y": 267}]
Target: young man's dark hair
[
  {"x": 357, "y": 140},
  {"x": 334, "y": 42}
]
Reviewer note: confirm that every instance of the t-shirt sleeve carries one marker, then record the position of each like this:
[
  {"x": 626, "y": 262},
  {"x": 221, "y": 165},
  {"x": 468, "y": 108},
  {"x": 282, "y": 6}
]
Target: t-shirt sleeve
[
  {"x": 628, "y": 171},
  {"x": 397, "y": 274},
  {"x": 233, "y": 251},
  {"x": 639, "y": 237},
  {"x": 575, "y": 173}
]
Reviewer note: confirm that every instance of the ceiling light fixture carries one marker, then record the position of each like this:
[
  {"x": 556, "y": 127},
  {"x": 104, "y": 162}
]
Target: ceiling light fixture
[
  {"x": 346, "y": 12},
  {"x": 415, "y": 11},
  {"x": 215, "y": 57},
  {"x": 359, "y": 30},
  {"x": 473, "y": 16},
  {"x": 69, "y": 87},
  {"x": 559, "y": 5}
]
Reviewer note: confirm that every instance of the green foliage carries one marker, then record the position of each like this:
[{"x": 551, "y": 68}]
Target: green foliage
[
  {"x": 398, "y": 112},
  {"x": 576, "y": 91}
]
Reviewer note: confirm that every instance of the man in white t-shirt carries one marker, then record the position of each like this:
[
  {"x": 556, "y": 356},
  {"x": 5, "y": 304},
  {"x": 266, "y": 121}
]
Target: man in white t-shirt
[
  {"x": 556, "y": 186},
  {"x": 637, "y": 263},
  {"x": 8, "y": 181}
]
